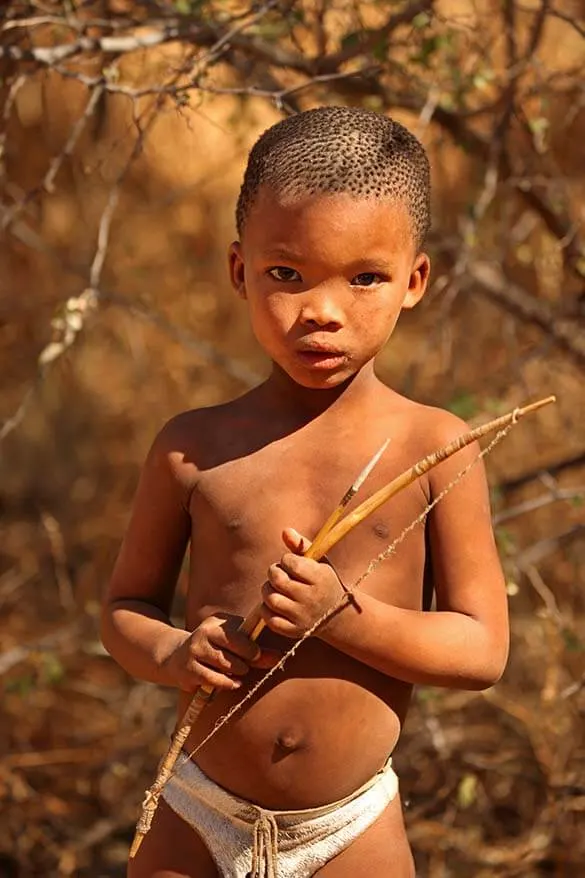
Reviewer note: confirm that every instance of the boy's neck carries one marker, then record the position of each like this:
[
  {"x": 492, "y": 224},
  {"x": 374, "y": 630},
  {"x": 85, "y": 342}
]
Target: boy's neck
[{"x": 306, "y": 403}]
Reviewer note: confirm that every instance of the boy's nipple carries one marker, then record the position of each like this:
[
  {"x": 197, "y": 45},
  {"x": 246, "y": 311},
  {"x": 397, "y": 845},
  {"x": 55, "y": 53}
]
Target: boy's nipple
[{"x": 381, "y": 530}]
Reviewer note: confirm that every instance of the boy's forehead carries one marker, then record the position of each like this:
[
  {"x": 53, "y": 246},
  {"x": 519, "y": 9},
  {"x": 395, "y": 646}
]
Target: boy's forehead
[{"x": 290, "y": 216}]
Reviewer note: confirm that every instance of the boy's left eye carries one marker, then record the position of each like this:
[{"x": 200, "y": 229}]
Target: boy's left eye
[
  {"x": 366, "y": 279},
  {"x": 283, "y": 274}
]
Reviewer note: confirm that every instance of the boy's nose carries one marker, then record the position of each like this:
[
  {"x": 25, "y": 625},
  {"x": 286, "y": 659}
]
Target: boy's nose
[{"x": 320, "y": 309}]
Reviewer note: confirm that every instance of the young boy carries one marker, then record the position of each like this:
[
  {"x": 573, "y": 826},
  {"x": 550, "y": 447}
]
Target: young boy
[{"x": 331, "y": 218}]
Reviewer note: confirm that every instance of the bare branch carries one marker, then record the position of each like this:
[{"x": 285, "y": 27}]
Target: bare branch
[
  {"x": 161, "y": 32},
  {"x": 17, "y": 654},
  {"x": 103, "y": 238},
  {"x": 280, "y": 95},
  {"x": 558, "y": 13},
  {"x": 48, "y": 182},
  {"x": 59, "y": 555},
  {"x": 560, "y": 495},
  {"x": 15, "y": 420},
  {"x": 566, "y": 333},
  {"x": 573, "y": 688},
  {"x": 206, "y": 351},
  {"x": 537, "y": 29},
  {"x": 15, "y": 87},
  {"x": 49, "y": 179},
  {"x": 544, "y": 592},
  {"x": 573, "y": 462},
  {"x": 369, "y": 40},
  {"x": 541, "y": 548},
  {"x": 117, "y": 45}
]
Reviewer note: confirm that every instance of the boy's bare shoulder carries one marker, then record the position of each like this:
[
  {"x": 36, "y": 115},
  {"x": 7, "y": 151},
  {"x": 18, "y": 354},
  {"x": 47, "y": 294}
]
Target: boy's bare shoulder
[
  {"x": 183, "y": 444},
  {"x": 431, "y": 427},
  {"x": 443, "y": 426}
]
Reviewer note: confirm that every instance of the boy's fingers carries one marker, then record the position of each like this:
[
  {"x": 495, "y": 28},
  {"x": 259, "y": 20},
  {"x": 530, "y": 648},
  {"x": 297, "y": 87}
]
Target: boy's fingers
[
  {"x": 227, "y": 661},
  {"x": 208, "y": 677},
  {"x": 277, "y": 576},
  {"x": 278, "y": 624},
  {"x": 299, "y": 568},
  {"x": 294, "y": 541},
  {"x": 236, "y": 642},
  {"x": 284, "y": 586},
  {"x": 279, "y": 603}
]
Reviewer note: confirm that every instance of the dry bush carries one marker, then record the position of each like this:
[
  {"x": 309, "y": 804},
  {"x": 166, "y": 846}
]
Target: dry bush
[{"x": 125, "y": 131}]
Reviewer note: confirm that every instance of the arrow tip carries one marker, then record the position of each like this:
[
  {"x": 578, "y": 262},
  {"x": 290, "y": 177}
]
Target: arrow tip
[{"x": 369, "y": 467}]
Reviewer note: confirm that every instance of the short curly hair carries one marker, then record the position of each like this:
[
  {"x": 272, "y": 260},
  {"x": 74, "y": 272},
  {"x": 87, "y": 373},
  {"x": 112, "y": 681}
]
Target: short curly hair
[{"x": 340, "y": 149}]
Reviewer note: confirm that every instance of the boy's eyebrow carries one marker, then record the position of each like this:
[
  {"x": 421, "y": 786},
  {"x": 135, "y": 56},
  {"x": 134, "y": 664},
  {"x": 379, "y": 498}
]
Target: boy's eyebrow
[{"x": 283, "y": 253}]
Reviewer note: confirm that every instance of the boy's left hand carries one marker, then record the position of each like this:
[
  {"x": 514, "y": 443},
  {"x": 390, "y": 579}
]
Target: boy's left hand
[{"x": 299, "y": 590}]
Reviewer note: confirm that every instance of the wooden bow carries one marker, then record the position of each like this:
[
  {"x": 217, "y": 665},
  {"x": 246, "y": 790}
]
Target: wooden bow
[{"x": 332, "y": 531}]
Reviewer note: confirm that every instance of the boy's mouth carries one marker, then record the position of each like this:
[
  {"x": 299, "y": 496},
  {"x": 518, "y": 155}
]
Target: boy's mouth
[{"x": 321, "y": 356}]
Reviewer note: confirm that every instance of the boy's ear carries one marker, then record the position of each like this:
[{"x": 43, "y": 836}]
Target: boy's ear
[
  {"x": 419, "y": 278},
  {"x": 236, "y": 268}
]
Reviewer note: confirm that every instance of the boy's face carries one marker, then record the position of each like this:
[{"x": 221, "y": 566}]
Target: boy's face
[{"x": 325, "y": 278}]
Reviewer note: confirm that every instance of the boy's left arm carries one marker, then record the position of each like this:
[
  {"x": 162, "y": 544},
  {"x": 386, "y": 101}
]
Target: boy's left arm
[{"x": 464, "y": 644}]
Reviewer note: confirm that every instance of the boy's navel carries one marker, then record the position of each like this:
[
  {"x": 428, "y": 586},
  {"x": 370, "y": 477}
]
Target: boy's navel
[{"x": 290, "y": 740}]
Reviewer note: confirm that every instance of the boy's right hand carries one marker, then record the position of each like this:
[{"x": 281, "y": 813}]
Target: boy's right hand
[{"x": 214, "y": 654}]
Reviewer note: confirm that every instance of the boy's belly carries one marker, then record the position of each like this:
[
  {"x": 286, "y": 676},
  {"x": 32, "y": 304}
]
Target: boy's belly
[{"x": 312, "y": 736}]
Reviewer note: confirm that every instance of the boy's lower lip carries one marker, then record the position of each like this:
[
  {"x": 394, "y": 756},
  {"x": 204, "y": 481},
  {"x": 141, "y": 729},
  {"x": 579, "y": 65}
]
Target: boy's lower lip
[{"x": 322, "y": 359}]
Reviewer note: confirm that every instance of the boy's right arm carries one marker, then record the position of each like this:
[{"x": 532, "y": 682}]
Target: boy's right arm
[{"x": 136, "y": 627}]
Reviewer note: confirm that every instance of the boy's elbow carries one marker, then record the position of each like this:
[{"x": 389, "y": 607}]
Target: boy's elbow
[
  {"x": 490, "y": 669},
  {"x": 486, "y": 678}
]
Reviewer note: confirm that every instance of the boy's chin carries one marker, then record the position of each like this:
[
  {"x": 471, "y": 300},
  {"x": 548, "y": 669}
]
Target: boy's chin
[{"x": 319, "y": 380}]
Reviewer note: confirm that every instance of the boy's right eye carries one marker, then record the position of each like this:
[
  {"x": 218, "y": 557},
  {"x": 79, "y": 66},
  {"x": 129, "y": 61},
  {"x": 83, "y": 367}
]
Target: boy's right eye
[{"x": 284, "y": 274}]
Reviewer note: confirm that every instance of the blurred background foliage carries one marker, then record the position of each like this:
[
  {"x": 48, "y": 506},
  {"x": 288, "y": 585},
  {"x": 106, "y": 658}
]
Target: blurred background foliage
[{"x": 124, "y": 132}]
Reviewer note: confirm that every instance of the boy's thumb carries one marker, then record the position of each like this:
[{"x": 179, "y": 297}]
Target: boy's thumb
[{"x": 294, "y": 541}]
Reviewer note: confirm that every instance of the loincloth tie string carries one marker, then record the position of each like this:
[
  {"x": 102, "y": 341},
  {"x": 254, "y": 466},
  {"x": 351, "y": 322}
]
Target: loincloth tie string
[{"x": 265, "y": 847}]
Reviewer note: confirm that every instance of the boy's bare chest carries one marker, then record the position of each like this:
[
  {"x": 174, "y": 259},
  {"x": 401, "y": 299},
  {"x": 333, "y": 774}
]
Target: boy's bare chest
[{"x": 241, "y": 506}]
